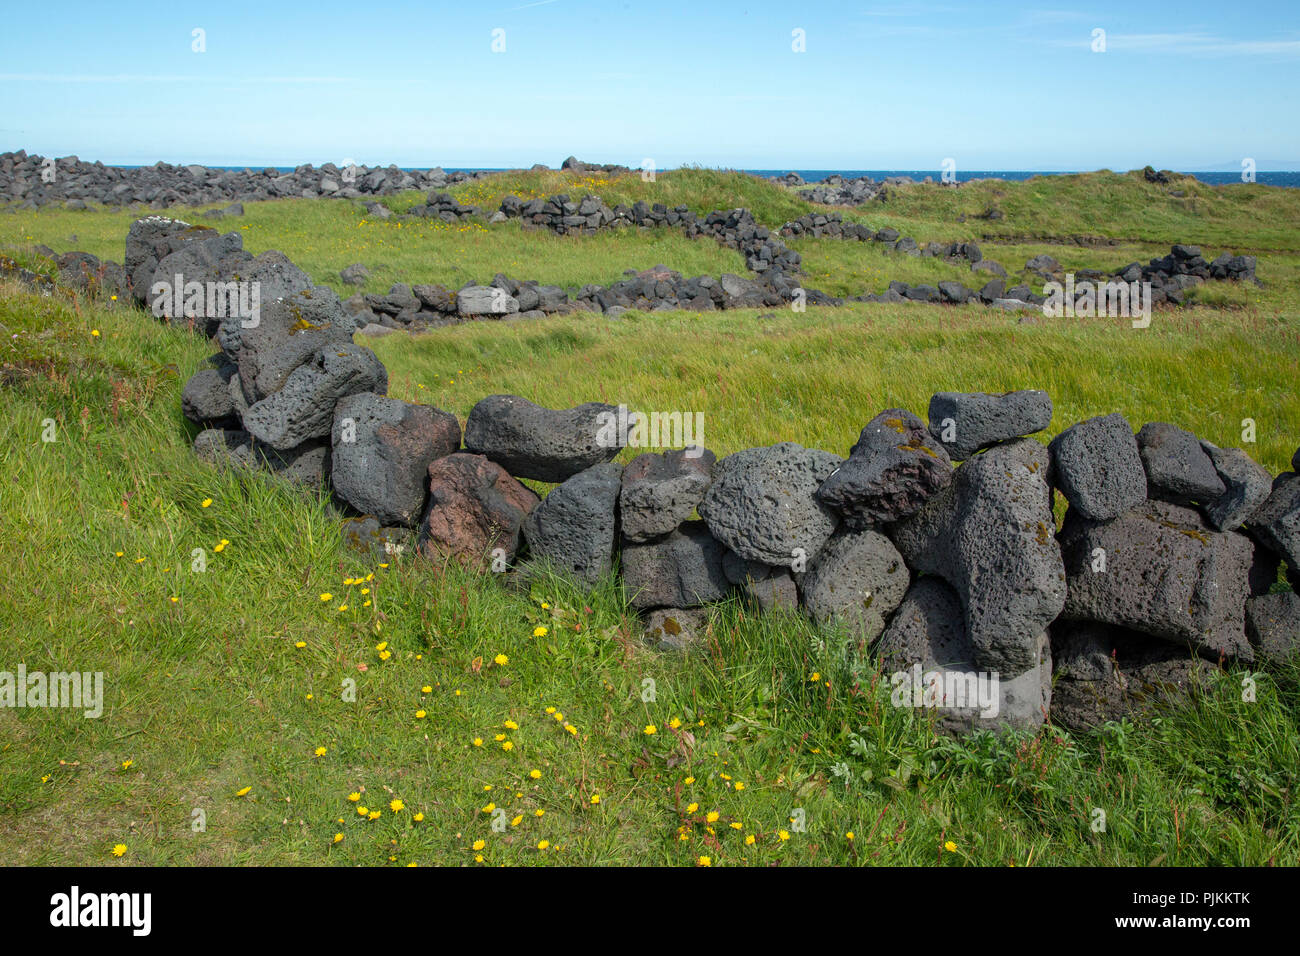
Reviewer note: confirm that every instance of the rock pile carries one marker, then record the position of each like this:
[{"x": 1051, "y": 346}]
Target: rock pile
[{"x": 35, "y": 181}]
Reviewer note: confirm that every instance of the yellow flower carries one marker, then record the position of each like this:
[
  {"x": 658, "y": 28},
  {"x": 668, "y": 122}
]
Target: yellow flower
[
  {"x": 326, "y": 597},
  {"x": 510, "y": 725},
  {"x": 704, "y": 861},
  {"x": 651, "y": 730},
  {"x": 338, "y": 838},
  {"x": 571, "y": 729},
  {"x": 816, "y": 676},
  {"x": 119, "y": 850},
  {"x": 540, "y": 631},
  {"x": 205, "y": 503},
  {"x": 692, "y": 807},
  {"x": 479, "y": 844},
  {"x": 478, "y": 858},
  {"x": 397, "y": 806},
  {"x": 321, "y": 751},
  {"x": 376, "y": 814},
  {"x": 382, "y": 645},
  {"x": 517, "y": 820},
  {"x": 543, "y": 844},
  {"x": 711, "y": 816},
  {"x": 784, "y": 835},
  {"x": 244, "y": 792},
  {"x": 95, "y": 332},
  {"x": 220, "y": 546},
  {"x": 300, "y": 644},
  {"x": 343, "y": 607},
  {"x": 535, "y": 774},
  {"x": 736, "y": 825},
  {"x": 426, "y": 689},
  {"x": 849, "y": 836},
  {"x": 549, "y": 710},
  {"x": 595, "y": 798},
  {"x": 688, "y": 781},
  {"x": 950, "y": 847},
  {"x": 417, "y": 817},
  {"x": 538, "y": 812},
  {"x": 507, "y": 746},
  {"x": 545, "y": 606},
  {"x": 740, "y": 786},
  {"x": 501, "y": 660},
  {"x": 354, "y": 796},
  {"x": 126, "y": 764},
  {"x": 478, "y": 741},
  {"x": 499, "y": 737},
  {"x": 385, "y": 655},
  {"x": 489, "y": 808},
  {"x": 674, "y": 723},
  {"x": 419, "y": 715},
  {"x": 363, "y": 811},
  {"x": 749, "y": 840}
]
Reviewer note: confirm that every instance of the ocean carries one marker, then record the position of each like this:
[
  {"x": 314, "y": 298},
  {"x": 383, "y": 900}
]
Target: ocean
[{"x": 1215, "y": 178}]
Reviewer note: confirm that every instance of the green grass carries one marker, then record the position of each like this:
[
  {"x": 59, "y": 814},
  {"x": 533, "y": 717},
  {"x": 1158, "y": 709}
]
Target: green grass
[{"x": 209, "y": 694}]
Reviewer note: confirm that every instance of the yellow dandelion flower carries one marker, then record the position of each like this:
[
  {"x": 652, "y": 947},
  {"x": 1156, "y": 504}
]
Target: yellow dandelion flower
[
  {"x": 426, "y": 689},
  {"x": 749, "y": 840},
  {"x": 478, "y": 845},
  {"x": 543, "y": 844},
  {"x": 950, "y": 847},
  {"x": 385, "y": 655},
  {"x": 692, "y": 807},
  {"x": 126, "y": 764},
  {"x": 417, "y": 817},
  {"x": 119, "y": 850},
  {"x": 321, "y": 751},
  {"x": 674, "y": 723},
  {"x": 478, "y": 741},
  {"x": 338, "y": 838},
  {"x": 397, "y": 806},
  {"x": 517, "y": 820},
  {"x": 244, "y": 792},
  {"x": 704, "y": 861},
  {"x": 784, "y": 835},
  {"x": 507, "y": 746},
  {"x": 489, "y": 808},
  {"x": 376, "y": 814},
  {"x": 711, "y": 816},
  {"x": 540, "y": 631},
  {"x": 300, "y": 644},
  {"x": 205, "y": 503},
  {"x": 651, "y": 730},
  {"x": 535, "y": 774},
  {"x": 510, "y": 725},
  {"x": 354, "y": 796},
  {"x": 849, "y": 836},
  {"x": 326, "y": 597},
  {"x": 501, "y": 660}
]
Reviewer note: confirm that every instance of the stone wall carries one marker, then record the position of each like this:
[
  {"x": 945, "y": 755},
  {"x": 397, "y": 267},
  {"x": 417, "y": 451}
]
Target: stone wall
[{"x": 932, "y": 545}]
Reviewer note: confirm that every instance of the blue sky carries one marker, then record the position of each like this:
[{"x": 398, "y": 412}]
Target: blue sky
[{"x": 1186, "y": 85}]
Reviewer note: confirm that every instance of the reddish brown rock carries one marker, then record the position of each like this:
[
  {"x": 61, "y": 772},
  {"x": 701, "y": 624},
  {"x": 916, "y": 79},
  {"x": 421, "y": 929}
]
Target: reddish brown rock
[{"x": 475, "y": 508}]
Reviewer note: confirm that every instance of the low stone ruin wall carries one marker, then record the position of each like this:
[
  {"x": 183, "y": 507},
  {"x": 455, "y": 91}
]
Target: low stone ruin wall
[{"x": 932, "y": 545}]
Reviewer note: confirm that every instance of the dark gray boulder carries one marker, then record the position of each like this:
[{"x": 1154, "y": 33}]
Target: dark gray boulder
[
  {"x": 206, "y": 396},
  {"x": 382, "y": 450},
  {"x": 681, "y": 569},
  {"x": 1276, "y": 524},
  {"x": 1273, "y": 625},
  {"x": 765, "y": 587},
  {"x": 1178, "y": 469},
  {"x": 541, "y": 443},
  {"x": 1106, "y": 673},
  {"x": 989, "y": 535},
  {"x": 965, "y": 422},
  {"x": 1097, "y": 467},
  {"x": 224, "y": 447},
  {"x": 660, "y": 491},
  {"x": 856, "y": 582},
  {"x": 575, "y": 526},
  {"x": 763, "y": 506},
  {"x": 1167, "y": 573},
  {"x": 931, "y": 663},
  {"x": 1247, "y": 486},
  {"x": 304, "y": 407},
  {"x": 894, "y": 467}
]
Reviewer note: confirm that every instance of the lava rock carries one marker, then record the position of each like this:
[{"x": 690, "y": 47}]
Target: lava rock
[
  {"x": 1178, "y": 469},
  {"x": 574, "y": 527},
  {"x": 976, "y": 420},
  {"x": 382, "y": 450},
  {"x": 856, "y": 582},
  {"x": 476, "y": 511},
  {"x": 1166, "y": 574},
  {"x": 1097, "y": 466},
  {"x": 541, "y": 443},
  {"x": 892, "y": 470},
  {"x": 763, "y": 506},
  {"x": 680, "y": 569},
  {"x": 660, "y": 491},
  {"x": 990, "y": 536}
]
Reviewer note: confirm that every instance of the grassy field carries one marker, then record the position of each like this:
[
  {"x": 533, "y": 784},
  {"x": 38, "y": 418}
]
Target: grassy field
[{"x": 221, "y": 687}]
